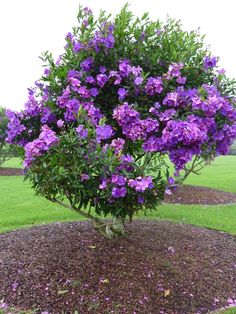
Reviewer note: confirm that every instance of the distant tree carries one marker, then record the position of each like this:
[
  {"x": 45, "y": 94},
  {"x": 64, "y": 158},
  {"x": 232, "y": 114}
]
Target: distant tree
[{"x": 5, "y": 149}]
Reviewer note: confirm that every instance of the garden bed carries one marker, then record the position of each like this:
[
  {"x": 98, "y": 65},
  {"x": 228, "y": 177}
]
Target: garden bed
[
  {"x": 190, "y": 194},
  {"x": 160, "y": 267},
  {"x": 5, "y": 171}
]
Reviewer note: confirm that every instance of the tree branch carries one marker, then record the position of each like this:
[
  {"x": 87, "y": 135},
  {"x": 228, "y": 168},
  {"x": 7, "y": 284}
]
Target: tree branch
[{"x": 83, "y": 213}]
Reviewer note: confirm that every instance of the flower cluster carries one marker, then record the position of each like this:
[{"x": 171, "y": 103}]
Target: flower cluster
[{"x": 38, "y": 147}]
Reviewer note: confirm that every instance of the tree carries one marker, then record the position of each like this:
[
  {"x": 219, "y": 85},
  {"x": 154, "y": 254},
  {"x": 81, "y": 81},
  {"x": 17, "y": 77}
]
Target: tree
[
  {"x": 6, "y": 151},
  {"x": 100, "y": 122}
]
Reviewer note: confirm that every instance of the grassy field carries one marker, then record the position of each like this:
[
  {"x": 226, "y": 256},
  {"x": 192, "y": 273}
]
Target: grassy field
[{"x": 19, "y": 207}]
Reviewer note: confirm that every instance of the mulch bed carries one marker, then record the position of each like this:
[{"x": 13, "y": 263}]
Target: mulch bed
[
  {"x": 11, "y": 171},
  {"x": 190, "y": 194},
  {"x": 158, "y": 268}
]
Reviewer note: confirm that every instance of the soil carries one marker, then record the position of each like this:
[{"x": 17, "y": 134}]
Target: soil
[
  {"x": 190, "y": 194},
  {"x": 11, "y": 171},
  {"x": 158, "y": 268}
]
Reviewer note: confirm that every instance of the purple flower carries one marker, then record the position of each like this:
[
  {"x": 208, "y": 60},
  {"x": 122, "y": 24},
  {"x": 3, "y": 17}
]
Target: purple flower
[
  {"x": 102, "y": 69},
  {"x": 174, "y": 70},
  {"x": 90, "y": 80},
  {"x": 84, "y": 177},
  {"x": 84, "y": 92},
  {"x": 150, "y": 125},
  {"x": 140, "y": 199},
  {"x": 209, "y": 62},
  {"x": 3, "y": 305},
  {"x": 140, "y": 184},
  {"x": 118, "y": 192},
  {"x": 116, "y": 75},
  {"x": 221, "y": 71},
  {"x": 104, "y": 132},
  {"x": 129, "y": 121},
  {"x": 118, "y": 144},
  {"x": 47, "y": 116},
  {"x": 136, "y": 71},
  {"x": 82, "y": 132},
  {"x": 122, "y": 92},
  {"x": 127, "y": 158},
  {"x": 124, "y": 68},
  {"x": 181, "y": 80},
  {"x": 88, "y": 11},
  {"x": 60, "y": 123},
  {"x": 171, "y": 181},
  {"x": 69, "y": 36},
  {"x": 64, "y": 98},
  {"x": 153, "y": 144},
  {"x": 58, "y": 61},
  {"x": 153, "y": 86},
  {"x": 109, "y": 41},
  {"x": 94, "y": 92},
  {"x": 93, "y": 113},
  {"x": 102, "y": 79},
  {"x": 167, "y": 115},
  {"x": 118, "y": 180},
  {"x": 103, "y": 184},
  {"x": 168, "y": 191},
  {"x": 138, "y": 80},
  {"x": 46, "y": 72},
  {"x": 77, "y": 46},
  {"x": 72, "y": 107},
  {"x": 86, "y": 65},
  {"x": 38, "y": 147},
  {"x": 171, "y": 99},
  {"x": 14, "y": 126},
  {"x": 232, "y": 302},
  {"x": 75, "y": 83}
]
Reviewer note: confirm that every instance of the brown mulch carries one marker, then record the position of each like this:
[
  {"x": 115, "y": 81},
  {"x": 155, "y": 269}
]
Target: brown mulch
[
  {"x": 190, "y": 194},
  {"x": 158, "y": 268},
  {"x": 11, "y": 171}
]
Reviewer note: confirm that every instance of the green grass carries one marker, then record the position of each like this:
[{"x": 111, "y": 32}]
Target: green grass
[
  {"x": 20, "y": 208},
  {"x": 13, "y": 163},
  {"x": 221, "y": 174},
  {"x": 226, "y": 311}
]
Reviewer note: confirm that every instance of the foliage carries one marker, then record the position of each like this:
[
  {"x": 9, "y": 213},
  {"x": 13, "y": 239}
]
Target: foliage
[{"x": 125, "y": 93}]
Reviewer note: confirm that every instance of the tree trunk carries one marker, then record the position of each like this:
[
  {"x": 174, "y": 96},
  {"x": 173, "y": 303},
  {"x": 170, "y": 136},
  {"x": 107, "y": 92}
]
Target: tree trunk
[{"x": 110, "y": 230}]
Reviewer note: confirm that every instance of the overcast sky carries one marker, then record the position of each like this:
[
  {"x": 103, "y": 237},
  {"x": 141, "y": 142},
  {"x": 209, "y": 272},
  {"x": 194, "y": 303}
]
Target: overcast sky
[{"x": 29, "y": 27}]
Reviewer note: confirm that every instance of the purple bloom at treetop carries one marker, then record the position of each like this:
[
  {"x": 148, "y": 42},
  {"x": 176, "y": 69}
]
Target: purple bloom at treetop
[{"x": 209, "y": 62}]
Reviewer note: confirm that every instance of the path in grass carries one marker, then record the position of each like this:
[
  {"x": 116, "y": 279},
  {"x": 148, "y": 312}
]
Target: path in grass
[{"x": 19, "y": 207}]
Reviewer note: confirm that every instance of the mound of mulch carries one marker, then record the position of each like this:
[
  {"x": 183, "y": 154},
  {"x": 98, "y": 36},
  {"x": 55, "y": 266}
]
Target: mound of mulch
[
  {"x": 190, "y": 194},
  {"x": 158, "y": 268},
  {"x": 11, "y": 171}
]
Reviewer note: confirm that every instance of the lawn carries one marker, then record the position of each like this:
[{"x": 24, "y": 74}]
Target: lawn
[{"x": 19, "y": 207}]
